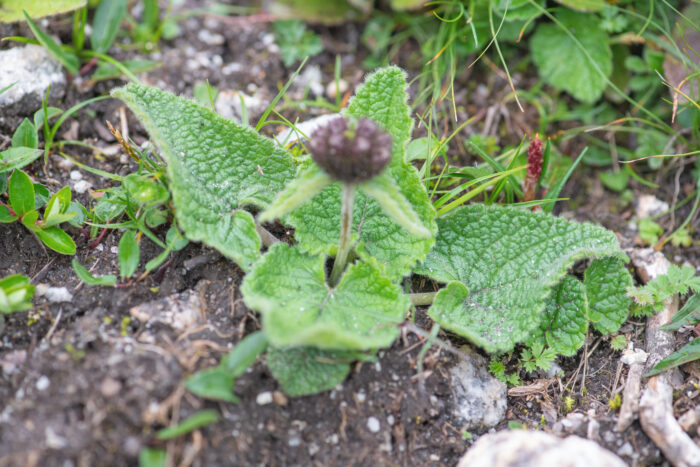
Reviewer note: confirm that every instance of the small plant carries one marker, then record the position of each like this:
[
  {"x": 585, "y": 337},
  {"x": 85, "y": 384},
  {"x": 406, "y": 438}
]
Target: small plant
[
  {"x": 15, "y": 294},
  {"x": 358, "y": 205},
  {"x": 650, "y": 298},
  {"x": 295, "y": 41}
]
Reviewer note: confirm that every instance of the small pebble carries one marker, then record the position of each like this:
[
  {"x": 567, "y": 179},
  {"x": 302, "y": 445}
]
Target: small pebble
[
  {"x": 332, "y": 90},
  {"x": 264, "y": 398},
  {"x": 110, "y": 387},
  {"x": 42, "y": 384},
  {"x": 373, "y": 424},
  {"x": 279, "y": 398},
  {"x": 76, "y": 175}
]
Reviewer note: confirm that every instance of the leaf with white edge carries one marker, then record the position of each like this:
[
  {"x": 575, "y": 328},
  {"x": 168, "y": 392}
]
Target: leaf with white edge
[
  {"x": 564, "y": 65},
  {"x": 215, "y": 167},
  {"x": 688, "y": 353},
  {"x": 288, "y": 288},
  {"x": 384, "y": 190},
  {"x": 309, "y": 182},
  {"x": 606, "y": 282},
  {"x": 508, "y": 259},
  {"x": 565, "y": 322},
  {"x": 382, "y": 99},
  {"x": 306, "y": 370}
]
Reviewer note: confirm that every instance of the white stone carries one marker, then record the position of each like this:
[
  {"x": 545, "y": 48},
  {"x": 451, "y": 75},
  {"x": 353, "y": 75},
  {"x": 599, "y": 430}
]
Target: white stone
[
  {"x": 525, "y": 448},
  {"x": 332, "y": 89},
  {"x": 373, "y": 425},
  {"x": 43, "y": 383},
  {"x": 264, "y": 398},
  {"x": 312, "y": 78},
  {"x": 53, "y": 294},
  {"x": 480, "y": 399},
  {"x": 82, "y": 186},
  {"x": 76, "y": 175},
  {"x": 649, "y": 205},
  {"x": 32, "y": 70},
  {"x": 228, "y": 104}
]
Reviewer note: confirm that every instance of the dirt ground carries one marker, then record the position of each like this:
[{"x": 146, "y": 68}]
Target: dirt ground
[{"x": 86, "y": 383}]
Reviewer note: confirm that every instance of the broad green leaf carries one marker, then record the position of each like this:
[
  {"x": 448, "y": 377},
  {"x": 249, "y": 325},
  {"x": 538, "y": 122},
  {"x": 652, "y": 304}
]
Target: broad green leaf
[
  {"x": 21, "y": 191},
  {"x": 191, "y": 423},
  {"x": 41, "y": 196},
  {"x": 105, "y": 24},
  {"x": 85, "y": 276},
  {"x": 564, "y": 65},
  {"x": 584, "y": 5},
  {"x": 315, "y": 11},
  {"x": 606, "y": 282},
  {"x": 565, "y": 321},
  {"x": 213, "y": 383},
  {"x": 306, "y": 370},
  {"x": 309, "y": 182},
  {"x": 215, "y": 168},
  {"x": 16, "y": 158},
  {"x": 383, "y": 99},
  {"x": 508, "y": 259},
  {"x": 129, "y": 254},
  {"x": 688, "y": 353},
  {"x": 11, "y": 10},
  {"x": 57, "y": 240},
  {"x": 288, "y": 287},
  {"x": 25, "y": 135},
  {"x": 30, "y": 219},
  {"x": 6, "y": 216},
  {"x": 67, "y": 59},
  {"x": 145, "y": 190},
  {"x": 57, "y": 205},
  {"x": 152, "y": 457}
]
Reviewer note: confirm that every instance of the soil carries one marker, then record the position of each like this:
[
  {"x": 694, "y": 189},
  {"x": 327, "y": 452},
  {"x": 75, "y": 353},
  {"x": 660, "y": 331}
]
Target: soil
[{"x": 86, "y": 383}]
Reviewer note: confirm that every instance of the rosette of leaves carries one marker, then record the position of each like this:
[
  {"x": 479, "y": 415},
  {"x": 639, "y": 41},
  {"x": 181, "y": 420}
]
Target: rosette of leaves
[{"x": 507, "y": 283}]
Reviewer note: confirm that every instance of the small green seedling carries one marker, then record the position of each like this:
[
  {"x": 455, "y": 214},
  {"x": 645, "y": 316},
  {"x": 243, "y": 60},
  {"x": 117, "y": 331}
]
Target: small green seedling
[
  {"x": 295, "y": 41},
  {"x": 25, "y": 200},
  {"x": 15, "y": 294}
]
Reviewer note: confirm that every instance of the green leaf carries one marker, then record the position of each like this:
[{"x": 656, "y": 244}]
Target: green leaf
[
  {"x": 315, "y": 11},
  {"x": 152, "y": 457},
  {"x": 16, "y": 294},
  {"x": 288, "y": 287},
  {"x": 11, "y": 10},
  {"x": 29, "y": 220},
  {"x": 25, "y": 135},
  {"x": 295, "y": 41},
  {"x": 215, "y": 167},
  {"x": 145, "y": 190},
  {"x": 191, "y": 423},
  {"x": 244, "y": 354},
  {"x": 383, "y": 99},
  {"x": 67, "y": 59},
  {"x": 21, "y": 193},
  {"x": 129, "y": 254},
  {"x": 85, "y": 276},
  {"x": 508, "y": 259},
  {"x": 688, "y": 353},
  {"x": 309, "y": 182},
  {"x": 107, "y": 71},
  {"x": 3, "y": 181},
  {"x": 306, "y": 370},
  {"x": 565, "y": 321},
  {"x": 213, "y": 383},
  {"x": 16, "y": 158},
  {"x": 57, "y": 206},
  {"x": 689, "y": 315},
  {"x": 584, "y": 5},
  {"x": 564, "y": 65},
  {"x": 6, "y": 216},
  {"x": 41, "y": 196},
  {"x": 56, "y": 239},
  {"x": 105, "y": 24},
  {"x": 606, "y": 281}
]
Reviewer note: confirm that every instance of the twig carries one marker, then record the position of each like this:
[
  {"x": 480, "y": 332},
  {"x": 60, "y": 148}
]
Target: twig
[
  {"x": 266, "y": 236},
  {"x": 656, "y": 404},
  {"x": 630, "y": 396}
]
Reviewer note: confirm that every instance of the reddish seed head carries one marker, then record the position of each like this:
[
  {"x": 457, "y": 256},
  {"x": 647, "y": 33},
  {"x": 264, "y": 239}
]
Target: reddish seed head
[
  {"x": 351, "y": 151},
  {"x": 534, "y": 158}
]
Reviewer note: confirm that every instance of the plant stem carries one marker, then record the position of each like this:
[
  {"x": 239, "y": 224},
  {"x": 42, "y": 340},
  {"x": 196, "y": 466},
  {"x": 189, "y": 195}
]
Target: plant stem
[
  {"x": 266, "y": 236},
  {"x": 421, "y": 299},
  {"x": 341, "y": 258}
]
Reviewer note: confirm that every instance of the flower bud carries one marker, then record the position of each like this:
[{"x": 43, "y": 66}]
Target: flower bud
[{"x": 351, "y": 151}]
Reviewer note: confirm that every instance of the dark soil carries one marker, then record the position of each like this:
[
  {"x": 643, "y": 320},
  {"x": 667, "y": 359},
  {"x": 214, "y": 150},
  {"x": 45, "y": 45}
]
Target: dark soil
[{"x": 86, "y": 383}]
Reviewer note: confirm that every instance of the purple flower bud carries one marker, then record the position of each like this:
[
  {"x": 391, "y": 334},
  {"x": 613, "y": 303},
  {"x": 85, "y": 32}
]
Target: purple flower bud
[{"x": 351, "y": 151}]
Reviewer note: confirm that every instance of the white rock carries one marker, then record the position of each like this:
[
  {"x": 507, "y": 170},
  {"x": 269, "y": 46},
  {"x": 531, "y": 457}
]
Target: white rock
[
  {"x": 303, "y": 130},
  {"x": 180, "y": 311},
  {"x": 525, "y": 448},
  {"x": 204, "y": 35},
  {"x": 53, "y": 294},
  {"x": 264, "y": 398},
  {"x": 632, "y": 357},
  {"x": 81, "y": 186},
  {"x": 33, "y": 70},
  {"x": 311, "y": 77},
  {"x": 649, "y": 205},
  {"x": 333, "y": 90},
  {"x": 373, "y": 425},
  {"x": 228, "y": 104},
  {"x": 76, "y": 175},
  {"x": 43, "y": 383},
  {"x": 480, "y": 399}
]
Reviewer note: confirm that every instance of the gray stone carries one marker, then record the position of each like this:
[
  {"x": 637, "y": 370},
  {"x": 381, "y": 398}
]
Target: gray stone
[
  {"x": 228, "y": 105},
  {"x": 33, "y": 70},
  {"x": 480, "y": 399},
  {"x": 524, "y": 448}
]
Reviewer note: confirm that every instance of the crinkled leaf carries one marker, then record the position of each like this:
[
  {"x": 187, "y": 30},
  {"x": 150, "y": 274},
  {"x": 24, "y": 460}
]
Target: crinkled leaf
[
  {"x": 309, "y": 182},
  {"x": 306, "y": 370},
  {"x": 11, "y": 10},
  {"x": 564, "y": 65},
  {"x": 288, "y": 287},
  {"x": 688, "y": 353},
  {"x": 606, "y": 282},
  {"x": 383, "y": 99},
  {"x": 215, "y": 168},
  {"x": 508, "y": 259},
  {"x": 563, "y": 327}
]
